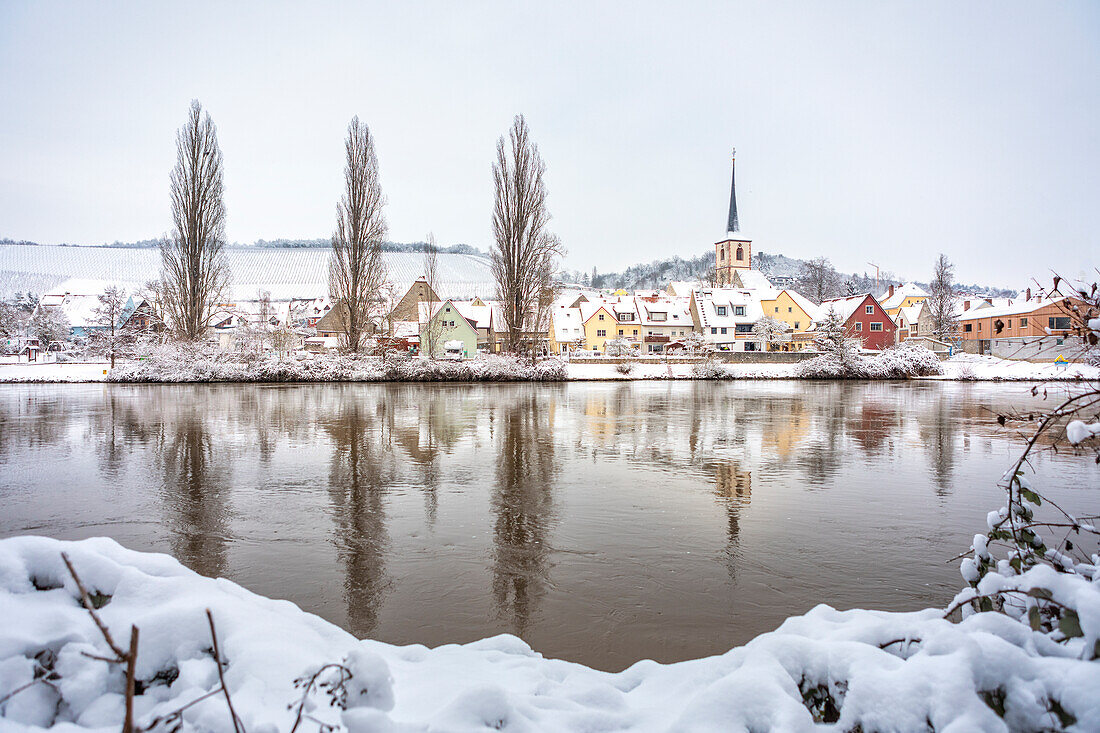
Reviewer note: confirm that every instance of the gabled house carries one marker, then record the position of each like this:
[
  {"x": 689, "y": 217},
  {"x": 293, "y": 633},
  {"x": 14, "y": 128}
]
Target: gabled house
[
  {"x": 446, "y": 331},
  {"x": 725, "y": 317},
  {"x": 908, "y": 322},
  {"x": 600, "y": 326},
  {"x": 662, "y": 321},
  {"x": 566, "y": 329},
  {"x": 797, "y": 311},
  {"x": 904, "y": 296},
  {"x": 865, "y": 319}
]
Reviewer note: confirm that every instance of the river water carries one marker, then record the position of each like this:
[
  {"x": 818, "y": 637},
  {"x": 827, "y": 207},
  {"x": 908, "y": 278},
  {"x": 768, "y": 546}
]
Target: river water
[{"x": 602, "y": 522}]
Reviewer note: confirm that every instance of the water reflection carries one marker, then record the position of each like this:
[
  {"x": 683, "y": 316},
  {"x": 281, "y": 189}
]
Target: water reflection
[
  {"x": 362, "y": 466},
  {"x": 196, "y": 482},
  {"x": 607, "y": 522},
  {"x": 522, "y": 502}
]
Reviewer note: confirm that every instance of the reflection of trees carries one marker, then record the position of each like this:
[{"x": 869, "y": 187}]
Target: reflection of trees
[
  {"x": 120, "y": 425},
  {"x": 822, "y": 456},
  {"x": 938, "y": 433},
  {"x": 195, "y": 489},
  {"x": 523, "y": 504},
  {"x": 362, "y": 462},
  {"x": 732, "y": 489}
]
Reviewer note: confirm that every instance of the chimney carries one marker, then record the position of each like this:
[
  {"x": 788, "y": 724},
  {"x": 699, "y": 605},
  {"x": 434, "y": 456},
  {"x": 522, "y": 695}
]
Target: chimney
[
  {"x": 1029, "y": 293},
  {"x": 891, "y": 293},
  {"x": 989, "y": 300}
]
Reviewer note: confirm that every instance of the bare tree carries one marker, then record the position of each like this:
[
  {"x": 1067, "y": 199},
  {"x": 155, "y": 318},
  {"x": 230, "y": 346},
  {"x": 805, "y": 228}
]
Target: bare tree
[
  {"x": 818, "y": 281},
  {"x": 194, "y": 271},
  {"x": 357, "y": 270},
  {"x": 942, "y": 302},
  {"x": 432, "y": 329},
  {"x": 108, "y": 316},
  {"x": 48, "y": 326},
  {"x": 525, "y": 254}
]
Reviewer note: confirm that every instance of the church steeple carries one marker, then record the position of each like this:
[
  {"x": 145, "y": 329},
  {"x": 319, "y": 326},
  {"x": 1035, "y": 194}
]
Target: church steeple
[{"x": 732, "y": 225}]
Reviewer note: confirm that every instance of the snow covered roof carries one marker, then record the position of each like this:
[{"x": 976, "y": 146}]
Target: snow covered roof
[
  {"x": 683, "y": 288},
  {"x": 909, "y": 314},
  {"x": 590, "y": 309},
  {"x": 567, "y": 323},
  {"x": 844, "y": 307},
  {"x": 908, "y": 290},
  {"x": 1027, "y": 306},
  {"x": 709, "y": 302},
  {"x": 754, "y": 279},
  {"x": 812, "y": 310},
  {"x": 675, "y": 311},
  {"x": 479, "y": 316},
  {"x": 285, "y": 273}
]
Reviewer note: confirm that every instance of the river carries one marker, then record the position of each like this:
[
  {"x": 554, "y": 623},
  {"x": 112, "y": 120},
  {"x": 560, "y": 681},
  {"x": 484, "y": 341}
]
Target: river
[{"x": 602, "y": 522}]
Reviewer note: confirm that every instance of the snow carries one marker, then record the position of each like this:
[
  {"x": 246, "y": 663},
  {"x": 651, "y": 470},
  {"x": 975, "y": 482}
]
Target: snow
[
  {"x": 1078, "y": 431},
  {"x": 327, "y": 367},
  {"x": 860, "y": 668}
]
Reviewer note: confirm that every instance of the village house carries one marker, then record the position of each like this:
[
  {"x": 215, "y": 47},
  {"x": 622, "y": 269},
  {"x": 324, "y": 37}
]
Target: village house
[
  {"x": 662, "y": 321},
  {"x": 447, "y": 332},
  {"x": 865, "y": 319},
  {"x": 1035, "y": 329},
  {"x": 600, "y": 326},
  {"x": 725, "y": 317},
  {"x": 566, "y": 329},
  {"x": 905, "y": 296}
]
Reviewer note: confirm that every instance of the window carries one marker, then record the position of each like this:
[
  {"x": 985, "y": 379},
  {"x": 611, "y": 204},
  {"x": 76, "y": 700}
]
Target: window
[
  {"x": 722, "y": 254},
  {"x": 713, "y": 330},
  {"x": 796, "y": 324},
  {"x": 1058, "y": 323},
  {"x": 658, "y": 316},
  {"x": 914, "y": 328},
  {"x": 744, "y": 328},
  {"x": 740, "y": 254},
  {"x": 601, "y": 316},
  {"x": 790, "y": 310},
  {"x": 620, "y": 332},
  {"x": 626, "y": 316},
  {"x": 738, "y": 310},
  {"x": 777, "y": 309},
  {"x": 979, "y": 325},
  {"x": 721, "y": 310},
  {"x": 876, "y": 326},
  {"x": 1009, "y": 323},
  {"x": 723, "y": 330},
  {"x": 601, "y": 331},
  {"x": 750, "y": 346},
  {"x": 859, "y": 326},
  {"x": 870, "y": 309},
  {"x": 635, "y": 332},
  {"x": 1023, "y": 323},
  {"x": 967, "y": 327}
]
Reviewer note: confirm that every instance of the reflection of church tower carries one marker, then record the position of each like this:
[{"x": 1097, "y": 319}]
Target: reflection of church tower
[
  {"x": 735, "y": 251},
  {"x": 733, "y": 489}
]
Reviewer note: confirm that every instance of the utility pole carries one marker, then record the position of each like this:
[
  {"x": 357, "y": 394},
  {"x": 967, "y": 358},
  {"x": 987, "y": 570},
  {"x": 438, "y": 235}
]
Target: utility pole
[{"x": 872, "y": 264}]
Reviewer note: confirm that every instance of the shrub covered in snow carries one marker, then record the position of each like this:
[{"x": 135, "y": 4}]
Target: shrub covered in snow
[
  {"x": 203, "y": 363},
  {"x": 898, "y": 362},
  {"x": 859, "y": 670},
  {"x": 711, "y": 369},
  {"x": 626, "y": 368}
]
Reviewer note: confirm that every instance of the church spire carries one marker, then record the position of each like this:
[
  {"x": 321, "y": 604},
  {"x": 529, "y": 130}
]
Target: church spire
[{"x": 732, "y": 225}]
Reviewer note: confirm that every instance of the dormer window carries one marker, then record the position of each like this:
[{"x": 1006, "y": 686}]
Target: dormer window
[
  {"x": 721, "y": 309},
  {"x": 739, "y": 310}
]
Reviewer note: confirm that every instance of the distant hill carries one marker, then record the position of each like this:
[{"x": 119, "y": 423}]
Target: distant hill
[
  {"x": 458, "y": 249},
  {"x": 657, "y": 274}
]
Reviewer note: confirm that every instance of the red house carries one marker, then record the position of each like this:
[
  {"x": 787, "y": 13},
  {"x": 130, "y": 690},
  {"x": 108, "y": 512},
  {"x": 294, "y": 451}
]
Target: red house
[{"x": 865, "y": 319}]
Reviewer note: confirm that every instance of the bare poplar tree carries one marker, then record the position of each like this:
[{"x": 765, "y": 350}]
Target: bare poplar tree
[
  {"x": 194, "y": 271},
  {"x": 524, "y": 258},
  {"x": 942, "y": 301},
  {"x": 432, "y": 330},
  {"x": 357, "y": 270}
]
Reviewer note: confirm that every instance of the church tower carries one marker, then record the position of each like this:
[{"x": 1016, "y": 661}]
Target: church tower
[{"x": 735, "y": 251}]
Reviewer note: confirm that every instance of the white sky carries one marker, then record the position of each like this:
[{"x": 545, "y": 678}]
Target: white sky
[{"x": 865, "y": 131}]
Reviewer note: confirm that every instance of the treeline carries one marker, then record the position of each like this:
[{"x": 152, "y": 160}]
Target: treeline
[
  {"x": 413, "y": 247},
  {"x": 817, "y": 279}
]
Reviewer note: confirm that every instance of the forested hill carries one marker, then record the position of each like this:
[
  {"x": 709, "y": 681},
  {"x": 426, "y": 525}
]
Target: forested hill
[{"x": 658, "y": 274}]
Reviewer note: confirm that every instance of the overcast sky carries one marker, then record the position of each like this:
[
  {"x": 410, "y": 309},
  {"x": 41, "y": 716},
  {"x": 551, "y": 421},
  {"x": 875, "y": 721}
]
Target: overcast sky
[{"x": 869, "y": 131}]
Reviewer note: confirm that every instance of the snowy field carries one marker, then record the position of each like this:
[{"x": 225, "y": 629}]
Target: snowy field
[
  {"x": 962, "y": 366},
  {"x": 858, "y": 670}
]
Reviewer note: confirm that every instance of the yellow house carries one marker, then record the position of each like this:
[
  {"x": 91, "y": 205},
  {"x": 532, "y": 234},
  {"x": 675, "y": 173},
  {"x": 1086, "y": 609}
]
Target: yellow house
[
  {"x": 600, "y": 326},
  {"x": 793, "y": 309},
  {"x": 903, "y": 297}
]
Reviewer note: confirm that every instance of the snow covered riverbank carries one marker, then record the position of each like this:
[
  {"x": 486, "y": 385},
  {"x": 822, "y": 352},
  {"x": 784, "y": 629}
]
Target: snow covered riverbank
[
  {"x": 960, "y": 367},
  {"x": 861, "y": 669}
]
